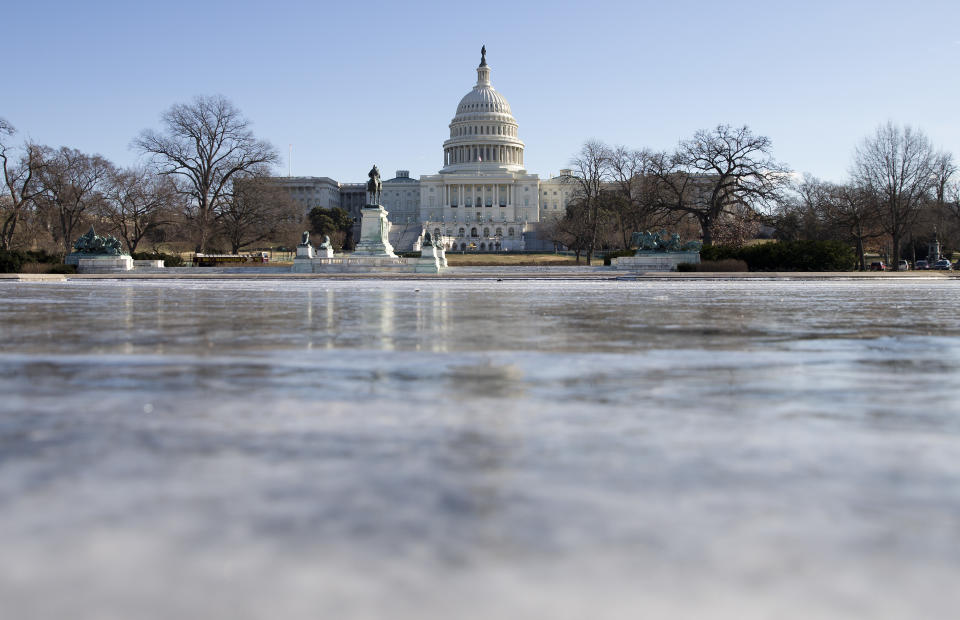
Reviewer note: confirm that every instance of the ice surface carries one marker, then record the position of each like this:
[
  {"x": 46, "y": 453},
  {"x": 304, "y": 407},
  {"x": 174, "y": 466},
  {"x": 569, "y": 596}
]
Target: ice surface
[{"x": 479, "y": 449}]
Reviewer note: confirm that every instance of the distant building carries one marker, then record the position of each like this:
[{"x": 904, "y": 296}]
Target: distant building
[{"x": 311, "y": 191}]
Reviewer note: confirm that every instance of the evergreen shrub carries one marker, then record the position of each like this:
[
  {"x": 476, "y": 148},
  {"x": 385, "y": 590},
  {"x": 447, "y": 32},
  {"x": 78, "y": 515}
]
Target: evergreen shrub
[
  {"x": 11, "y": 261},
  {"x": 725, "y": 265},
  {"x": 170, "y": 260},
  {"x": 787, "y": 255},
  {"x": 61, "y": 268}
]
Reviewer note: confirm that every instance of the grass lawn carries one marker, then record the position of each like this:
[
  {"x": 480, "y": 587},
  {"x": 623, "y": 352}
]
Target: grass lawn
[{"x": 455, "y": 259}]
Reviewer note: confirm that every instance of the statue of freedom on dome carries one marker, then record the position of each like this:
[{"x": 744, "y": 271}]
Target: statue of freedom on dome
[
  {"x": 483, "y": 56},
  {"x": 374, "y": 186}
]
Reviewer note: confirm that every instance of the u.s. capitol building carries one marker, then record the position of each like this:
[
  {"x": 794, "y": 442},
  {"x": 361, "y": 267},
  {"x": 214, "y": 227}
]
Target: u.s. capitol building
[{"x": 482, "y": 199}]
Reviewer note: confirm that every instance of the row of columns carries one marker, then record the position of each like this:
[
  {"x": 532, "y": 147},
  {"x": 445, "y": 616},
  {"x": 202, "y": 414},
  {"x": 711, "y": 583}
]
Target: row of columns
[
  {"x": 468, "y": 154},
  {"x": 484, "y": 130},
  {"x": 456, "y": 194},
  {"x": 481, "y": 232}
]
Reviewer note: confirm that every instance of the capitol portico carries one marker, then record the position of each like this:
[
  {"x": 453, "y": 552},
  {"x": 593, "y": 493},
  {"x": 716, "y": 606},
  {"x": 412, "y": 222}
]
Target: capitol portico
[{"x": 482, "y": 198}]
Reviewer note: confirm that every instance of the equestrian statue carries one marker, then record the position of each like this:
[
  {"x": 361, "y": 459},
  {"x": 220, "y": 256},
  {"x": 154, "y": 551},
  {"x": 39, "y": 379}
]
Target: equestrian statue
[{"x": 374, "y": 187}]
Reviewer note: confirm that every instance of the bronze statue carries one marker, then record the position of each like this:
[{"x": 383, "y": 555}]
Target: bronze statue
[
  {"x": 374, "y": 187},
  {"x": 305, "y": 238},
  {"x": 483, "y": 56},
  {"x": 662, "y": 242},
  {"x": 92, "y": 243}
]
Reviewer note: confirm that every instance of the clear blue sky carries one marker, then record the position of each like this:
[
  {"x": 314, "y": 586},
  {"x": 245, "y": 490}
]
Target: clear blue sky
[{"x": 353, "y": 83}]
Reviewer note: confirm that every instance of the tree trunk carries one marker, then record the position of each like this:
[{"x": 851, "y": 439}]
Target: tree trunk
[
  {"x": 9, "y": 226},
  {"x": 896, "y": 251},
  {"x": 860, "y": 262},
  {"x": 707, "y": 233}
]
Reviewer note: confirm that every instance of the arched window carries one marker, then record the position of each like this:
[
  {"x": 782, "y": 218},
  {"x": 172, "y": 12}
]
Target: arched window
[
  {"x": 473, "y": 232},
  {"x": 463, "y": 246},
  {"x": 483, "y": 246},
  {"x": 461, "y": 233},
  {"x": 499, "y": 232},
  {"x": 486, "y": 232},
  {"x": 510, "y": 232}
]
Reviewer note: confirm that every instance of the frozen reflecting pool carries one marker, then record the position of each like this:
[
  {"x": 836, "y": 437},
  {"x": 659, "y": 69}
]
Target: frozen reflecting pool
[{"x": 480, "y": 449}]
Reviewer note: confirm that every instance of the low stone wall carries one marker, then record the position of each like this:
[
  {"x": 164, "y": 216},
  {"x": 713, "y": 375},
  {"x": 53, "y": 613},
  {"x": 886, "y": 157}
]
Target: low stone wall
[
  {"x": 360, "y": 264},
  {"x": 656, "y": 261},
  {"x": 148, "y": 264},
  {"x": 104, "y": 264}
]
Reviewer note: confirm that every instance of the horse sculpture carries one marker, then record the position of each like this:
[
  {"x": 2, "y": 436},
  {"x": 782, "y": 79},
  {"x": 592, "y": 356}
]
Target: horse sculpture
[
  {"x": 374, "y": 187},
  {"x": 92, "y": 243},
  {"x": 662, "y": 242}
]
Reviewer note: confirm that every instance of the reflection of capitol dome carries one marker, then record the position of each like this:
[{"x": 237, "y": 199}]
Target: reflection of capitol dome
[{"x": 483, "y": 134}]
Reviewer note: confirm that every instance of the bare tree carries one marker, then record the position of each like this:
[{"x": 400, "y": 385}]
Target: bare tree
[
  {"x": 851, "y": 210},
  {"x": 897, "y": 165},
  {"x": 590, "y": 172},
  {"x": 258, "y": 210},
  {"x": 673, "y": 189},
  {"x": 944, "y": 172},
  {"x": 206, "y": 143},
  {"x": 137, "y": 202},
  {"x": 573, "y": 230},
  {"x": 635, "y": 205},
  {"x": 801, "y": 214},
  {"x": 952, "y": 199},
  {"x": 71, "y": 183},
  {"x": 20, "y": 181},
  {"x": 729, "y": 168},
  {"x": 737, "y": 225}
]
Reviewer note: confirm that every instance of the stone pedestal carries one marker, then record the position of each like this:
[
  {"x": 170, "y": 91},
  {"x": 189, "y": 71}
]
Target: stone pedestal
[
  {"x": 656, "y": 261},
  {"x": 374, "y": 233},
  {"x": 305, "y": 250},
  {"x": 103, "y": 264},
  {"x": 324, "y": 252},
  {"x": 429, "y": 261}
]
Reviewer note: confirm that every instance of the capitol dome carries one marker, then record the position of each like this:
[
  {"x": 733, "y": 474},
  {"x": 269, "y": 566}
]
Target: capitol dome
[
  {"x": 483, "y": 133},
  {"x": 483, "y": 99}
]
